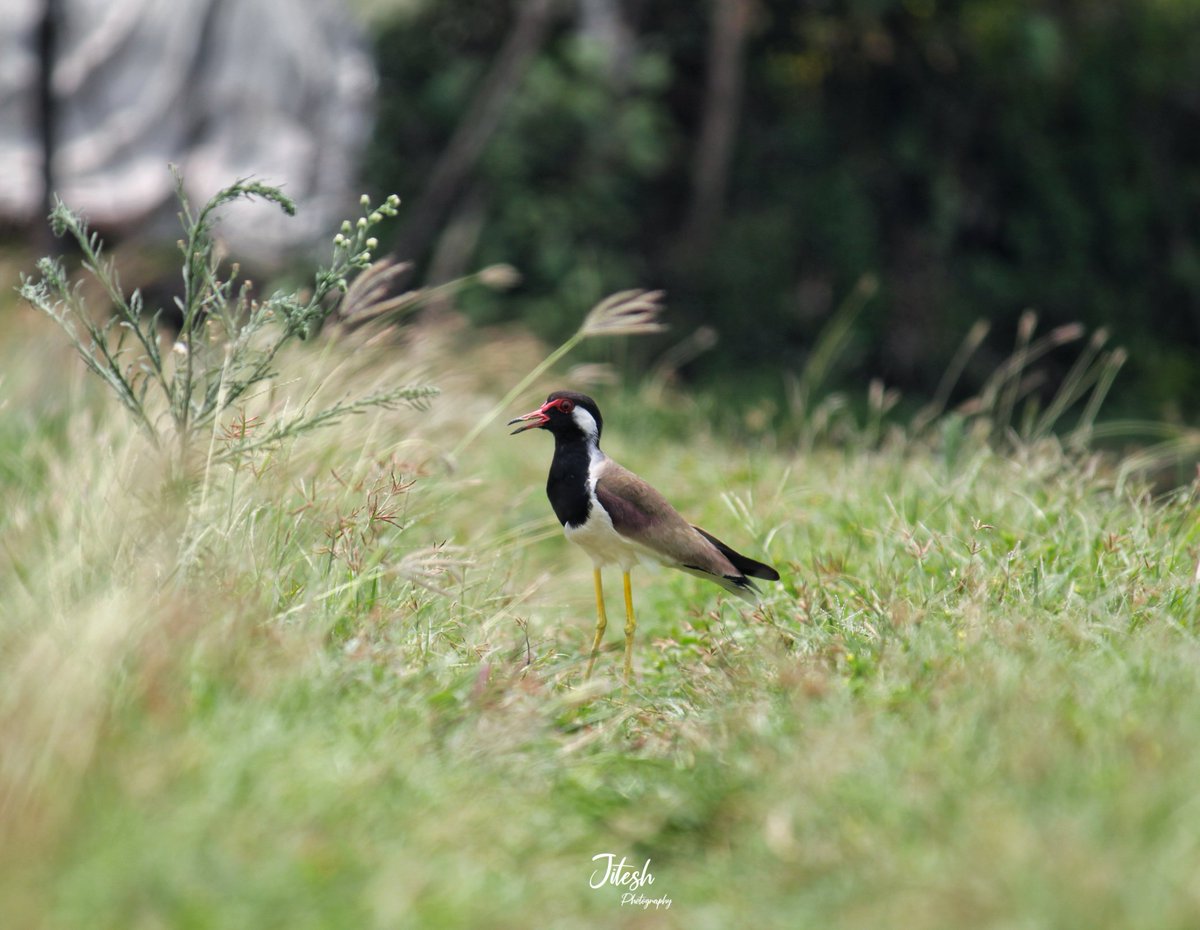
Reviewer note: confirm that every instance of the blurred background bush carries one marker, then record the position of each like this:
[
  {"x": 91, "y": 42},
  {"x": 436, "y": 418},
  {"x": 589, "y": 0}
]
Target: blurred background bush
[
  {"x": 978, "y": 157},
  {"x": 759, "y": 158}
]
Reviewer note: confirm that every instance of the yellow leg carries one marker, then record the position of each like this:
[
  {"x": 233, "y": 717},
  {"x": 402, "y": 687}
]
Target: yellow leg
[
  {"x": 601, "y": 623},
  {"x": 630, "y": 626}
]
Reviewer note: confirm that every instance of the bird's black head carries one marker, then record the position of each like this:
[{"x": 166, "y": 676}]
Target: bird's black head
[{"x": 566, "y": 414}]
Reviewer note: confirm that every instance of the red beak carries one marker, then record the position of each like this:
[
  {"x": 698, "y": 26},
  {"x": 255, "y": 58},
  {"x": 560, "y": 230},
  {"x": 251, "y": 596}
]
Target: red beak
[{"x": 532, "y": 420}]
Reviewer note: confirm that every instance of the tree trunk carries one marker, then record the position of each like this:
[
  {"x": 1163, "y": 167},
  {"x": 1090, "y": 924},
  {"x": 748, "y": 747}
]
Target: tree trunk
[
  {"x": 47, "y": 46},
  {"x": 722, "y": 103},
  {"x": 477, "y": 126}
]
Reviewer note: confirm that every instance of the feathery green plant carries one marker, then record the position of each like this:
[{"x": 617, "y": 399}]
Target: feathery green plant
[{"x": 227, "y": 341}]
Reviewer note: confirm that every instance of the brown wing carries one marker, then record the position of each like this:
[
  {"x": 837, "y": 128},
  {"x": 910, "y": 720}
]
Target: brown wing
[{"x": 643, "y": 515}]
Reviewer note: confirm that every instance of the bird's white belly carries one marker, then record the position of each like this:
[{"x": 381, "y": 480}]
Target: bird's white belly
[{"x": 600, "y": 540}]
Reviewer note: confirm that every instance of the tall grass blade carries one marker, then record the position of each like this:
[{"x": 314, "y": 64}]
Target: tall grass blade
[{"x": 626, "y": 313}]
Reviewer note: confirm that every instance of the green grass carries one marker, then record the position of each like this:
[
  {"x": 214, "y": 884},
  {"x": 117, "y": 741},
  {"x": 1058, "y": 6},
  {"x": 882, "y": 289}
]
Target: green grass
[{"x": 340, "y": 684}]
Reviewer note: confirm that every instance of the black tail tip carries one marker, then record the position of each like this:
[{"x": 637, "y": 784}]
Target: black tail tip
[
  {"x": 743, "y": 563},
  {"x": 765, "y": 572}
]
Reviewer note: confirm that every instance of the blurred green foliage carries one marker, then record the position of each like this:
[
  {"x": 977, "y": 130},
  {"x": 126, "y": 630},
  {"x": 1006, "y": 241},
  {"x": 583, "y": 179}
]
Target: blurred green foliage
[{"x": 979, "y": 157}]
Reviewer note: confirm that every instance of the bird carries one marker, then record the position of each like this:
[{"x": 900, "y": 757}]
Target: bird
[{"x": 618, "y": 518}]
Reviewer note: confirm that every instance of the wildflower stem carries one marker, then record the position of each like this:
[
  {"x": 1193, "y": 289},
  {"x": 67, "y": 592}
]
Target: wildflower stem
[
  {"x": 626, "y": 313},
  {"x": 538, "y": 370}
]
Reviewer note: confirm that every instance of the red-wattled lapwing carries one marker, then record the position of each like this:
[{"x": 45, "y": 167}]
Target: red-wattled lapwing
[{"x": 618, "y": 518}]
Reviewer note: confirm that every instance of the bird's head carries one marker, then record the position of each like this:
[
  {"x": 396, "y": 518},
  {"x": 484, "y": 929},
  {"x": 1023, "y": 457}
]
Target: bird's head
[{"x": 566, "y": 414}]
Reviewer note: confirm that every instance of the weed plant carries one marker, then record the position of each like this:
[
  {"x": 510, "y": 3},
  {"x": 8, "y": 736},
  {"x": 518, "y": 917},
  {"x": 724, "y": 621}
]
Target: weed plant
[{"x": 227, "y": 340}]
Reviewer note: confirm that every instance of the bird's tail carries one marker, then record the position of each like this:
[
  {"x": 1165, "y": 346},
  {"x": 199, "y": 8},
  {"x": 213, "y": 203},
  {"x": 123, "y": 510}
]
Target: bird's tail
[
  {"x": 748, "y": 568},
  {"x": 744, "y": 564}
]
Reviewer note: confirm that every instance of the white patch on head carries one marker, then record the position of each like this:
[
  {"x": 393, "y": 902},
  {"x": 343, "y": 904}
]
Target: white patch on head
[{"x": 586, "y": 422}]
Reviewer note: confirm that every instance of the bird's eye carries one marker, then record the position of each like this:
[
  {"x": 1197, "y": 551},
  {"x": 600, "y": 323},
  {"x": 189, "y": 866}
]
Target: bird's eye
[{"x": 566, "y": 406}]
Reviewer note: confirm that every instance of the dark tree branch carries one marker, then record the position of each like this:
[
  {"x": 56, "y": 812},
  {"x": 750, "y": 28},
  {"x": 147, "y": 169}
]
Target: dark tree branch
[
  {"x": 47, "y": 117},
  {"x": 477, "y": 126},
  {"x": 722, "y": 104}
]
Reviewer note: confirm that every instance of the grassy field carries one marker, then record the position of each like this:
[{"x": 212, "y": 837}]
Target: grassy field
[{"x": 339, "y": 684}]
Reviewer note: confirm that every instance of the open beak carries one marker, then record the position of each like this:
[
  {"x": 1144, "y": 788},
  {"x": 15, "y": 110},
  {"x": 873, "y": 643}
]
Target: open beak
[{"x": 531, "y": 420}]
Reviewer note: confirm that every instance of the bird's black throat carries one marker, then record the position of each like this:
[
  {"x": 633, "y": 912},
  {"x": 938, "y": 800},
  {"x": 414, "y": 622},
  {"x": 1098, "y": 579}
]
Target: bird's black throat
[{"x": 567, "y": 486}]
